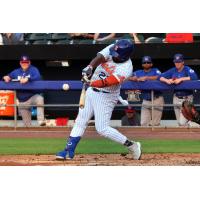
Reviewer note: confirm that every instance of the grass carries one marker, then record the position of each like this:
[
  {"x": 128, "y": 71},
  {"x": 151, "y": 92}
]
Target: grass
[{"x": 52, "y": 145}]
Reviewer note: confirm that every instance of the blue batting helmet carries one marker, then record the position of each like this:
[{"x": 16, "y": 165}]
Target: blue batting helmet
[{"x": 122, "y": 49}]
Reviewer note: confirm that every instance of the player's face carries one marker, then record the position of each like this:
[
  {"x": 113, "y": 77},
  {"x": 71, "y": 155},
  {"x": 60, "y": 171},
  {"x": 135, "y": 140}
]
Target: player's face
[
  {"x": 25, "y": 65},
  {"x": 130, "y": 115},
  {"x": 179, "y": 65},
  {"x": 116, "y": 60},
  {"x": 147, "y": 65}
]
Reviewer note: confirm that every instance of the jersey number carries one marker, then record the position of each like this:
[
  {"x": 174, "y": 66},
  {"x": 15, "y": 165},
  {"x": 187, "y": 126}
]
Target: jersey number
[{"x": 102, "y": 75}]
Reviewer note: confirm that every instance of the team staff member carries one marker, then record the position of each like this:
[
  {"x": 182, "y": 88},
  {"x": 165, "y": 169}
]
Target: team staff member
[
  {"x": 113, "y": 66},
  {"x": 131, "y": 117},
  {"x": 148, "y": 73},
  {"x": 176, "y": 75},
  {"x": 27, "y": 73}
]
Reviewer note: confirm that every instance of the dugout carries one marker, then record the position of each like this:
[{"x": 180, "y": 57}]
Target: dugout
[{"x": 65, "y": 62}]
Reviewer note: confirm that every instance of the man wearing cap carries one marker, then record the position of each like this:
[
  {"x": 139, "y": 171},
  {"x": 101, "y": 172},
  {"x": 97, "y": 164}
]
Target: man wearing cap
[
  {"x": 148, "y": 116},
  {"x": 131, "y": 118},
  {"x": 27, "y": 73},
  {"x": 176, "y": 75}
]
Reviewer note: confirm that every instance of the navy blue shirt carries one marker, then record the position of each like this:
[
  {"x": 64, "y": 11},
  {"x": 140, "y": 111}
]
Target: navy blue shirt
[
  {"x": 33, "y": 74},
  {"x": 146, "y": 94},
  {"x": 173, "y": 73}
]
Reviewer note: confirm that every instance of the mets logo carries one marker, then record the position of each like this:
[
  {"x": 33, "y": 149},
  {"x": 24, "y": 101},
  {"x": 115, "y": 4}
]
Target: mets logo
[{"x": 3, "y": 102}]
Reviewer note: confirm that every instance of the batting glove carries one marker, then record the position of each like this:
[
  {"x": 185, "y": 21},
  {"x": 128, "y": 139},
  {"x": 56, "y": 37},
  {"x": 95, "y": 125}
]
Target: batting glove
[
  {"x": 87, "y": 71},
  {"x": 85, "y": 80}
]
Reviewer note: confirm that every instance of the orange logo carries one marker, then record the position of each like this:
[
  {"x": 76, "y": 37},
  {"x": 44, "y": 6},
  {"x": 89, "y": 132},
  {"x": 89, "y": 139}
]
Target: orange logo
[{"x": 109, "y": 69}]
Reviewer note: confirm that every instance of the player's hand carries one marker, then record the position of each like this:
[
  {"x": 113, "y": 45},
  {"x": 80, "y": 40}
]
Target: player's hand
[
  {"x": 169, "y": 81},
  {"x": 23, "y": 80},
  {"x": 133, "y": 78},
  {"x": 144, "y": 78},
  {"x": 87, "y": 71},
  {"x": 85, "y": 80},
  {"x": 7, "y": 79},
  {"x": 177, "y": 81}
]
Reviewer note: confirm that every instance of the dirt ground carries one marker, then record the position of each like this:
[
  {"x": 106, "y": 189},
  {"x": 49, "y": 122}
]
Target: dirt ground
[
  {"x": 103, "y": 160},
  {"x": 167, "y": 159}
]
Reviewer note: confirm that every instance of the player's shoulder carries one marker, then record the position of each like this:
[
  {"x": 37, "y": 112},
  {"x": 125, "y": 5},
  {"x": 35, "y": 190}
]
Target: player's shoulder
[
  {"x": 17, "y": 70},
  {"x": 156, "y": 70},
  {"x": 139, "y": 71},
  {"x": 172, "y": 69},
  {"x": 32, "y": 67},
  {"x": 188, "y": 69}
]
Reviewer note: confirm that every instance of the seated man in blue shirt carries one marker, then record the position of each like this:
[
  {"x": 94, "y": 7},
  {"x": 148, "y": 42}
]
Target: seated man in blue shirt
[
  {"x": 148, "y": 116},
  {"x": 176, "y": 75},
  {"x": 27, "y": 73}
]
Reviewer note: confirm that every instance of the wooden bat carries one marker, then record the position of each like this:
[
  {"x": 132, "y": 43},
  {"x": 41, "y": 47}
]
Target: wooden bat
[
  {"x": 82, "y": 97},
  {"x": 83, "y": 92}
]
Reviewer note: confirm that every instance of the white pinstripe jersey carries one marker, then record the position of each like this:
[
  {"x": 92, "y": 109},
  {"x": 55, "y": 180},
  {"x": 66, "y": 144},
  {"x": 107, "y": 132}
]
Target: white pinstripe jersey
[{"x": 121, "y": 71}]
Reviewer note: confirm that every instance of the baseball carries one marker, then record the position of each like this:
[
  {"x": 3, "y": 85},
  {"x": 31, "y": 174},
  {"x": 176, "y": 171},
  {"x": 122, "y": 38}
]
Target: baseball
[{"x": 65, "y": 86}]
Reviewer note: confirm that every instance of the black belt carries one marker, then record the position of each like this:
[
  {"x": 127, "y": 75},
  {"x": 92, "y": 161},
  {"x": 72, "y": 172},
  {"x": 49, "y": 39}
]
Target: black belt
[
  {"x": 184, "y": 97},
  {"x": 96, "y": 90}
]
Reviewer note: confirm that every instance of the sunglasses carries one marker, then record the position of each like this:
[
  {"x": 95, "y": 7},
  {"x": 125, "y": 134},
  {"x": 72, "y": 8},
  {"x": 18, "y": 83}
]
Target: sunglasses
[{"x": 146, "y": 63}]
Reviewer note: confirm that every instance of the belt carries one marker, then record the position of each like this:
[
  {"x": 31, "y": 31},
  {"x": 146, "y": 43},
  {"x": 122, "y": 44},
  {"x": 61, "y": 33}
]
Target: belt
[
  {"x": 184, "y": 97},
  {"x": 96, "y": 90}
]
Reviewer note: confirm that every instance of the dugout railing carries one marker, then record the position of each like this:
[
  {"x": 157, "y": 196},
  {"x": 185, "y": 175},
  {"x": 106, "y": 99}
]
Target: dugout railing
[{"x": 77, "y": 85}]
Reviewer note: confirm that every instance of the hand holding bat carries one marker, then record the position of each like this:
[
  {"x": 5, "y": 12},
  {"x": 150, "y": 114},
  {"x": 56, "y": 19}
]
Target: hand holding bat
[{"x": 86, "y": 82}]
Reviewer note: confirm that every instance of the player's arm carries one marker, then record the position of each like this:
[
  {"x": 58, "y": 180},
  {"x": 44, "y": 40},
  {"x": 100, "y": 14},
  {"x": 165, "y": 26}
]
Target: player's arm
[
  {"x": 87, "y": 71},
  {"x": 35, "y": 75},
  {"x": 12, "y": 75},
  {"x": 166, "y": 77},
  {"x": 109, "y": 81},
  {"x": 134, "y": 77},
  {"x": 97, "y": 61},
  {"x": 147, "y": 78},
  {"x": 191, "y": 76}
]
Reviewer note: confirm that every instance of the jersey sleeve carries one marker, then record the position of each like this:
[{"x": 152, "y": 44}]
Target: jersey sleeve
[
  {"x": 191, "y": 73},
  {"x": 13, "y": 74},
  {"x": 157, "y": 72},
  {"x": 35, "y": 74},
  {"x": 136, "y": 73},
  {"x": 106, "y": 52},
  {"x": 168, "y": 74}
]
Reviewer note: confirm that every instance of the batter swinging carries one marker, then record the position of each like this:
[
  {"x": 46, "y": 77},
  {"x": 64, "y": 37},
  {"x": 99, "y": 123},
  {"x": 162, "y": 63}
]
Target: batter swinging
[{"x": 113, "y": 66}]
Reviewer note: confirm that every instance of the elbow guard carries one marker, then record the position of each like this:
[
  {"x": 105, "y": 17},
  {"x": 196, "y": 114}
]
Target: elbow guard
[{"x": 111, "y": 80}]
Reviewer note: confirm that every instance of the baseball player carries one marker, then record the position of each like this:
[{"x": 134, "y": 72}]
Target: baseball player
[
  {"x": 113, "y": 66},
  {"x": 27, "y": 73},
  {"x": 176, "y": 75},
  {"x": 148, "y": 73}
]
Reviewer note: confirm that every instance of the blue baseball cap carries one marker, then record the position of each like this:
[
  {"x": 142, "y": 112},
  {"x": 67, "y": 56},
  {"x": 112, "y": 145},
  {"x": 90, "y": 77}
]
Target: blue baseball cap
[
  {"x": 24, "y": 59},
  {"x": 146, "y": 59},
  {"x": 178, "y": 58}
]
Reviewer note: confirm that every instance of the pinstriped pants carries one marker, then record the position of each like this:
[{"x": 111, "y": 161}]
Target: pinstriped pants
[
  {"x": 25, "y": 110},
  {"x": 100, "y": 105}
]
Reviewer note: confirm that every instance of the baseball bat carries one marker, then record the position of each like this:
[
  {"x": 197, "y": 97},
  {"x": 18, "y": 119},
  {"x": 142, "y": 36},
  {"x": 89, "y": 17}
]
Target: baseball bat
[{"x": 82, "y": 97}]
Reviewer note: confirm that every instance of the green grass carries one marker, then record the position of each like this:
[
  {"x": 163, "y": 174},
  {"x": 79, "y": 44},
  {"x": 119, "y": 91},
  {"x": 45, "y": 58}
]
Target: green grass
[{"x": 52, "y": 145}]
